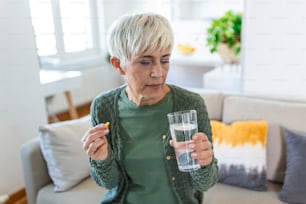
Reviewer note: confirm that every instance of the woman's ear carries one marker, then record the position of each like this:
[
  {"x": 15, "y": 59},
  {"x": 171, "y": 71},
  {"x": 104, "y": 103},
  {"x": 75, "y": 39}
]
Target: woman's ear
[{"x": 116, "y": 64}]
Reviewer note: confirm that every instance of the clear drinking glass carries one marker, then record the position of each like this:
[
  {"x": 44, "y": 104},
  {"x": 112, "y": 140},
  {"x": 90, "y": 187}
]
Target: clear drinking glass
[{"x": 183, "y": 125}]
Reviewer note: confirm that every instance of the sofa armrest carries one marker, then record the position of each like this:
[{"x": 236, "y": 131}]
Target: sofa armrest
[{"x": 34, "y": 168}]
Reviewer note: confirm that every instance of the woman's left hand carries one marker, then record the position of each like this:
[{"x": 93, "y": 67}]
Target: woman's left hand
[{"x": 202, "y": 149}]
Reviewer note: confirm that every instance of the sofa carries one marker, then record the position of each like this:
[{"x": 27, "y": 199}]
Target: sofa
[{"x": 227, "y": 108}]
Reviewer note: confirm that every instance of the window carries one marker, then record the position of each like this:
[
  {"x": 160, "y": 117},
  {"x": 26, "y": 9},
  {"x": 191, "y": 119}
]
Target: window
[{"x": 66, "y": 33}]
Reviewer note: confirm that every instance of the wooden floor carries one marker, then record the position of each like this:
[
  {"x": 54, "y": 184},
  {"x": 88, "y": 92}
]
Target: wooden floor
[
  {"x": 19, "y": 197},
  {"x": 81, "y": 110}
]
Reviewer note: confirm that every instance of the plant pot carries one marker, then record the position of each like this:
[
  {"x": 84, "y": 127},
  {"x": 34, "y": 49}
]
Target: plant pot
[{"x": 227, "y": 54}]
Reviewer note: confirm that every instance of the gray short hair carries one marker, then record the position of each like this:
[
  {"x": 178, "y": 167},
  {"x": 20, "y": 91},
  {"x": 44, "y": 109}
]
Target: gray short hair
[{"x": 135, "y": 34}]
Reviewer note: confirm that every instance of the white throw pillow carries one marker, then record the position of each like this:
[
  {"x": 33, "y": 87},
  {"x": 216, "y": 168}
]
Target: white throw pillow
[{"x": 61, "y": 147}]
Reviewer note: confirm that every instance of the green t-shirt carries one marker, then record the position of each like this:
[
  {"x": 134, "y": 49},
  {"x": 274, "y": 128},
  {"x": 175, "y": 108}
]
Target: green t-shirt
[{"x": 142, "y": 129}]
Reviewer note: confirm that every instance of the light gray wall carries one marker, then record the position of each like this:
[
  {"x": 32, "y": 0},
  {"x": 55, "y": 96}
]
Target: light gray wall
[
  {"x": 21, "y": 103},
  {"x": 275, "y": 48}
]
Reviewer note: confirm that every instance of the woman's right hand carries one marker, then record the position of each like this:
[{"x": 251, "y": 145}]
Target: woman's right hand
[{"x": 95, "y": 143}]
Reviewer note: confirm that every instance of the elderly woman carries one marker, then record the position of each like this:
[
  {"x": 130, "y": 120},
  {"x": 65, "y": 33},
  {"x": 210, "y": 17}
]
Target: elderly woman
[{"x": 133, "y": 155}]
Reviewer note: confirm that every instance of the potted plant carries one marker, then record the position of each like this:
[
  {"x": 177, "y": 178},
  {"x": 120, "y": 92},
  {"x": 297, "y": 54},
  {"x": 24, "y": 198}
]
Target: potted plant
[{"x": 223, "y": 36}]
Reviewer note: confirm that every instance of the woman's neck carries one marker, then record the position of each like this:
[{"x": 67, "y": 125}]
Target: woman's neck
[{"x": 141, "y": 100}]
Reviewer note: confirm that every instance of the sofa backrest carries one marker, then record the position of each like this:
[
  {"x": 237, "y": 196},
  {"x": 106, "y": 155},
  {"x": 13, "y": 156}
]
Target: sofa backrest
[
  {"x": 291, "y": 115},
  {"x": 213, "y": 101},
  {"x": 279, "y": 114}
]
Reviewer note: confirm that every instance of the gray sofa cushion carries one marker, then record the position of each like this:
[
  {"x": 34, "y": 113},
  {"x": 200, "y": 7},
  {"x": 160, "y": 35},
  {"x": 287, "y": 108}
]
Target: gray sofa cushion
[
  {"x": 294, "y": 187},
  {"x": 276, "y": 153},
  {"x": 85, "y": 191},
  {"x": 220, "y": 193},
  {"x": 233, "y": 195}
]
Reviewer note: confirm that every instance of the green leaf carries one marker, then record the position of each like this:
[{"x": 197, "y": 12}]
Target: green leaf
[{"x": 226, "y": 29}]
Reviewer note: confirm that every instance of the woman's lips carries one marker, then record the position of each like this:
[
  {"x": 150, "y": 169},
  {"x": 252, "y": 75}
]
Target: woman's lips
[{"x": 155, "y": 86}]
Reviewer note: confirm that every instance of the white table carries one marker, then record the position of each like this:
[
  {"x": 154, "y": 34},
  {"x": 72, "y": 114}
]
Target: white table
[
  {"x": 200, "y": 58},
  {"x": 187, "y": 69},
  {"x": 56, "y": 82},
  {"x": 223, "y": 78}
]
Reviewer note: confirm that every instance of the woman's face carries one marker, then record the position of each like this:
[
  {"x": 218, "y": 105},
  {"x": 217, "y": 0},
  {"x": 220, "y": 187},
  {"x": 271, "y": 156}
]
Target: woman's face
[{"x": 146, "y": 75}]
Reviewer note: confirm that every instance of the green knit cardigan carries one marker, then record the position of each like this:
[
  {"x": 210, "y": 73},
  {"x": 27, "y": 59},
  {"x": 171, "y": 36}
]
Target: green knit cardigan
[{"x": 110, "y": 173}]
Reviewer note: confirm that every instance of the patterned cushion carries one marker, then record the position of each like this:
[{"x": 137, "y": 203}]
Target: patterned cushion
[{"x": 241, "y": 152}]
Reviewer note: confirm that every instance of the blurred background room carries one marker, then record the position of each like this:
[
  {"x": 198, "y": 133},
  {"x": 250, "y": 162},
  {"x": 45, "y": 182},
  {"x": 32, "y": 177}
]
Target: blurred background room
[{"x": 53, "y": 60}]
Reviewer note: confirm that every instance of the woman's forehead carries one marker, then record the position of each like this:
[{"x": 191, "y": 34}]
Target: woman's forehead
[{"x": 155, "y": 52}]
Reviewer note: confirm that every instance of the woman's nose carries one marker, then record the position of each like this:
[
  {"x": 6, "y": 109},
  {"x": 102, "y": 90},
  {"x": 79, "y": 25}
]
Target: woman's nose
[{"x": 157, "y": 70}]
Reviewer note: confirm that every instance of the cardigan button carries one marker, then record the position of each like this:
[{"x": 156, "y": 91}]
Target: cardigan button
[
  {"x": 168, "y": 157},
  {"x": 173, "y": 178},
  {"x": 164, "y": 137}
]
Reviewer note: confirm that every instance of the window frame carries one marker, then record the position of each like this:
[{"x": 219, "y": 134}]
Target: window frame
[{"x": 75, "y": 60}]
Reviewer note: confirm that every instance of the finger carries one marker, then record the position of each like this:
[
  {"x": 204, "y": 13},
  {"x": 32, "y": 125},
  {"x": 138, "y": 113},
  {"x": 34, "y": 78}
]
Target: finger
[
  {"x": 101, "y": 126},
  {"x": 93, "y": 135},
  {"x": 100, "y": 153},
  {"x": 207, "y": 145},
  {"x": 90, "y": 132},
  {"x": 206, "y": 158},
  {"x": 204, "y": 162},
  {"x": 98, "y": 135},
  {"x": 202, "y": 146},
  {"x": 203, "y": 157},
  {"x": 95, "y": 146},
  {"x": 199, "y": 136}
]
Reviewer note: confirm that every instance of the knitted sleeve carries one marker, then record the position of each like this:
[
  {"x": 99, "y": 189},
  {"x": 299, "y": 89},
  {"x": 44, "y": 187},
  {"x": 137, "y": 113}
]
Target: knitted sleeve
[
  {"x": 105, "y": 173},
  {"x": 207, "y": 176}
]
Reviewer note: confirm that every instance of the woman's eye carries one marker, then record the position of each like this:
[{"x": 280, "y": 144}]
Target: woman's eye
[
  {"x": 145, "y": 62},
  {"x": 165, "y": 61}
]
